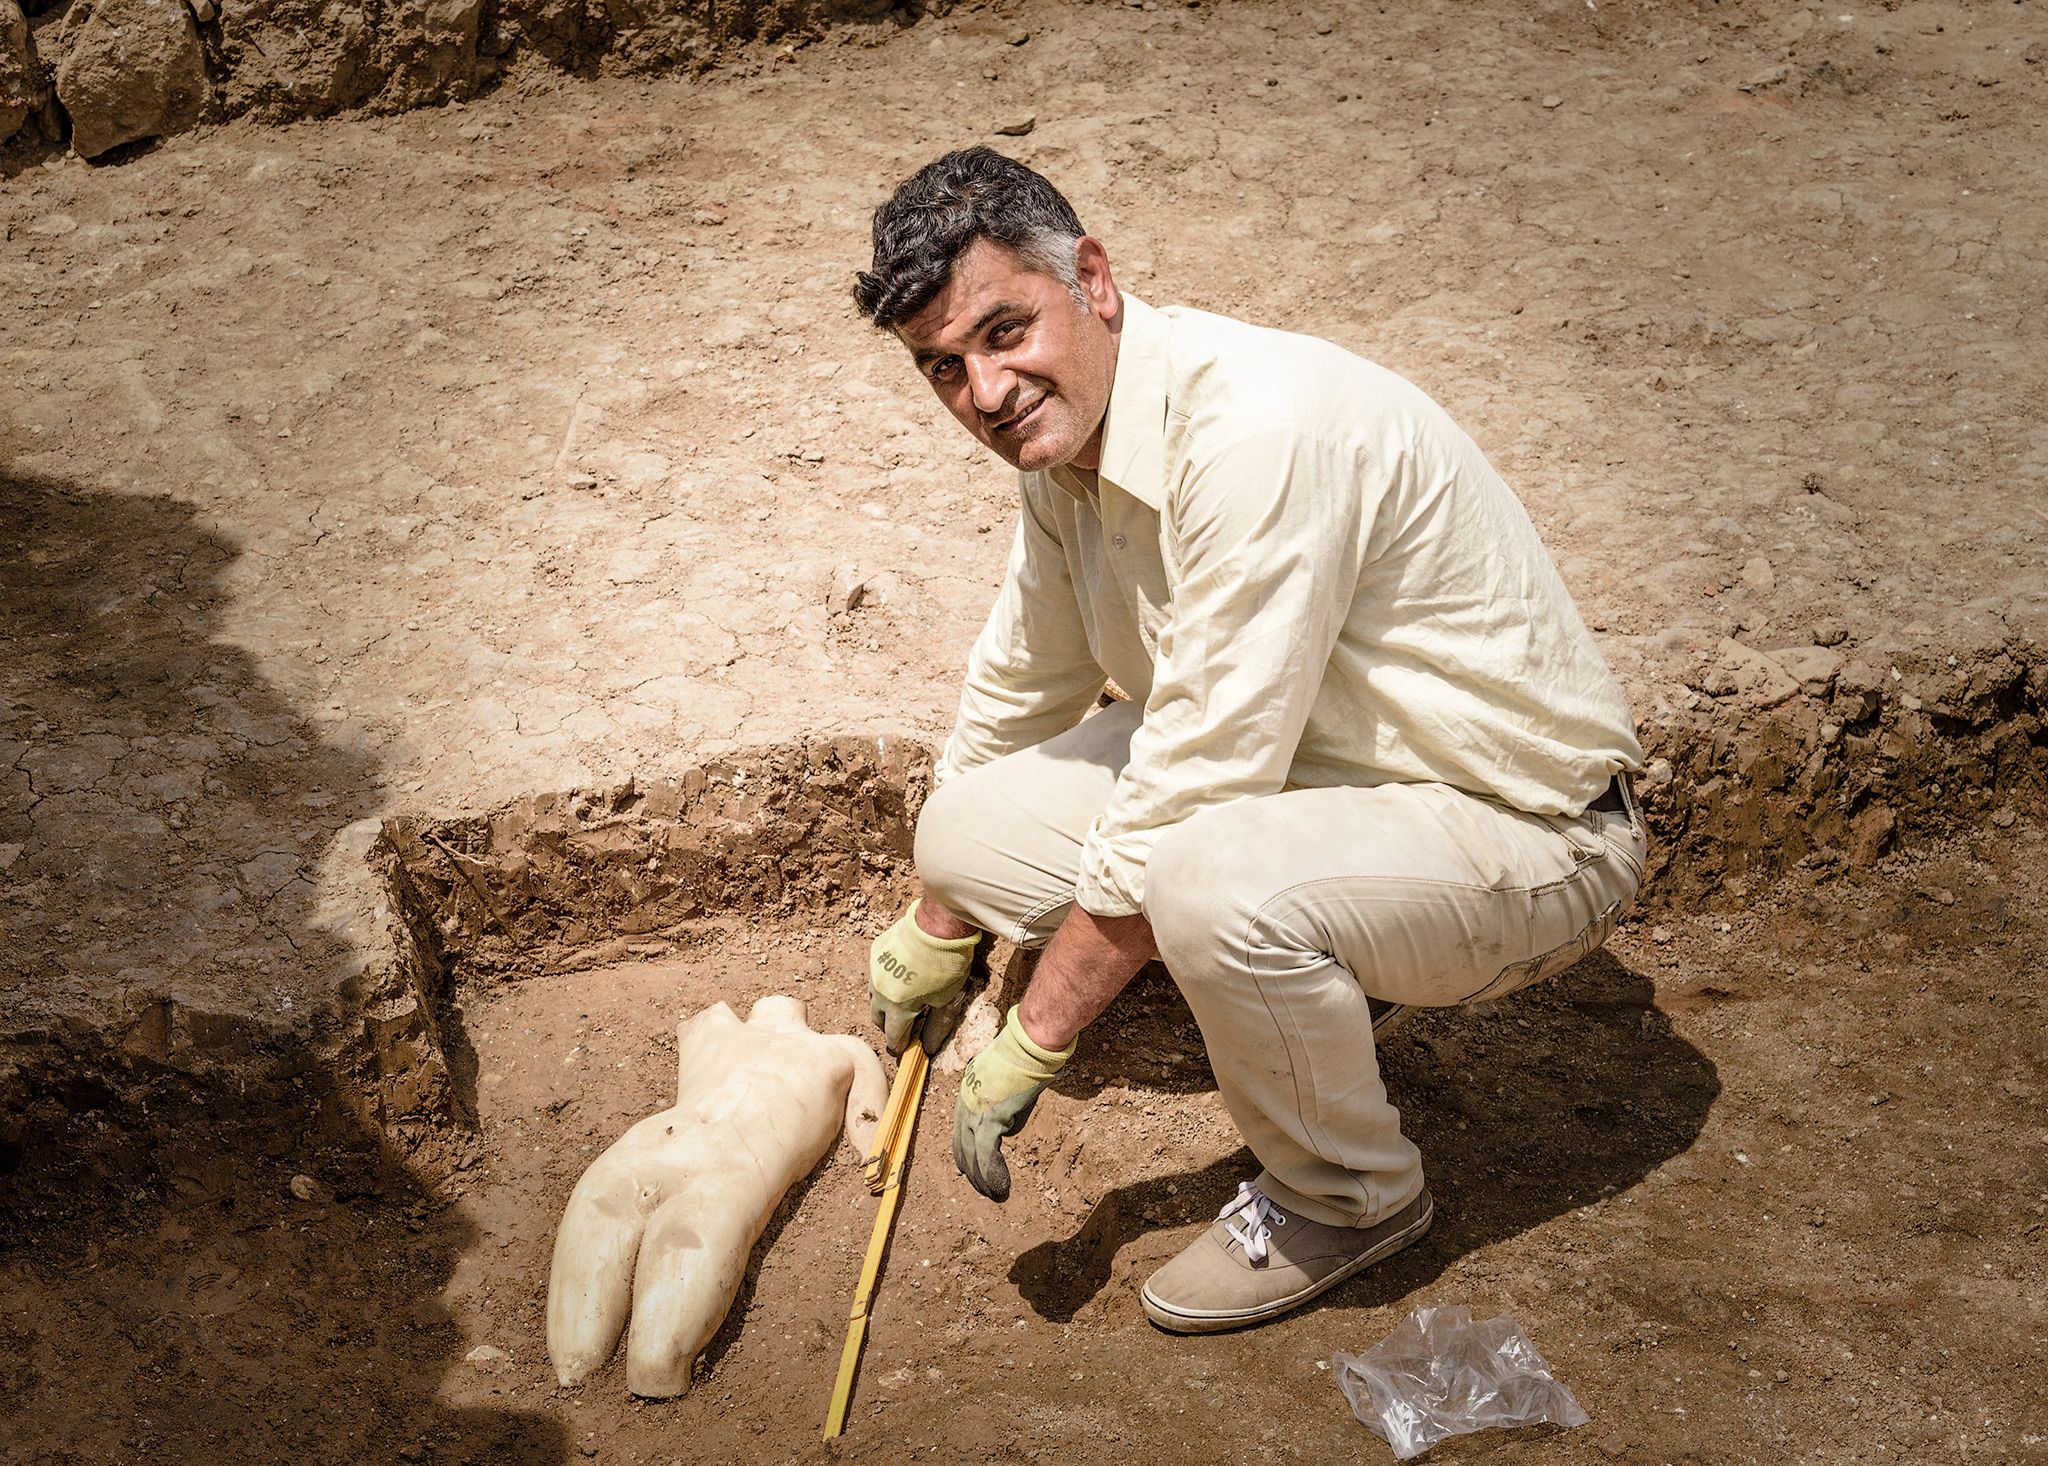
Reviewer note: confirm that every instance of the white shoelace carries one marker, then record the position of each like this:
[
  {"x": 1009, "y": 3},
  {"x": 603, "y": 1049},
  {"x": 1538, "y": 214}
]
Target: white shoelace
[{"x": 1252, "y": 1207}]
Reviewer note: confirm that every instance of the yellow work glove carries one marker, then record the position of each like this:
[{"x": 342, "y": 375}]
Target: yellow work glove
[
  {"x": 910, "y": 971},
  {"x": 997, "y": 1092}
]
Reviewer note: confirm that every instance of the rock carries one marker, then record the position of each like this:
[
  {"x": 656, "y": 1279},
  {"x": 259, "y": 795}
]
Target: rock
[
  {"x": 845, "y": 591},
  {"x": 1658, "y": 774},
  {"x": 1758, "y": 575},
  {"x": 708, "y": 217},
  {"x": 1870, "y": 835},
  {"x": 1552, "y": 102},
  {"x": 1813, "y": 667},
  {"x": 881, "y": 590},
  {"x": 1740, "y": 670},
  {"x": 1829, "y": 633},
  {"x": 1858, "y": 693},
  {"x": 305, "y": 1188},
  {"x": 205, "y": 11},
  {"x": 23, "y": 88},
  {"x": 2003, "y": 819},
  {"x": 1018, "y": 38},
  {"x": 1016, "y": 126},
  {"x": 1769, "y": 77},
  {"x": 485, "y": 1354},
  {"x": 285, "y": 59},
  {"x": 132, "y": 69}
]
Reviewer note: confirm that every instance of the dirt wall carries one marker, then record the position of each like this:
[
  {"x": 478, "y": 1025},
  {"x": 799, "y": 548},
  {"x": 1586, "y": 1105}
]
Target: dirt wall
[{"x": 101, "y": 74}]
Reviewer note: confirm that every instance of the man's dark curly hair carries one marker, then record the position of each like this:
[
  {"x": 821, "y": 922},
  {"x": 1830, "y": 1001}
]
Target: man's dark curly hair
[{"x": 937, "y": 212}]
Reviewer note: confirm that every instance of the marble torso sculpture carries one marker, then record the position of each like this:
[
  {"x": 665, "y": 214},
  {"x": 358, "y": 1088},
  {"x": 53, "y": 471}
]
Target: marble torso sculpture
[{"x": 661, "y": 1224}]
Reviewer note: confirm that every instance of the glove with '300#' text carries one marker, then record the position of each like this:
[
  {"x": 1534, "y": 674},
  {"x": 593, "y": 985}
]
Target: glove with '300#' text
[{"x": 910, "y": 971}]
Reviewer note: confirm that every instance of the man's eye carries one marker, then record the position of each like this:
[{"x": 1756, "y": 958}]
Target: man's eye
[
  {"x": 1007, "y": 333},
  {"x": 944, "y": 368}
]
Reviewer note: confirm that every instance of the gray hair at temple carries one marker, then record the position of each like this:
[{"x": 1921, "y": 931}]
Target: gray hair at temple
[{"x": 940, "y": 210}]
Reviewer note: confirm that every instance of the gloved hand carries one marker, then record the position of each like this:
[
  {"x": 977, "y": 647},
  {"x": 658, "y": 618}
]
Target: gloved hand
[
  {"x": 910, "y": 971},
  {"x": 997, "y": 1092}
]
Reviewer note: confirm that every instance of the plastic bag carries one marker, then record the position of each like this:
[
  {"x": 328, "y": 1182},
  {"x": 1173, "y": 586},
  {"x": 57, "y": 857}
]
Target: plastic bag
[{"x": 1441, "y": 1374}]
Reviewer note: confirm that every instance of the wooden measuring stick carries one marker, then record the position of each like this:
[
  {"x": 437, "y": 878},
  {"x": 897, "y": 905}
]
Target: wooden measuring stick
[{"x": 904, "y": 1096}]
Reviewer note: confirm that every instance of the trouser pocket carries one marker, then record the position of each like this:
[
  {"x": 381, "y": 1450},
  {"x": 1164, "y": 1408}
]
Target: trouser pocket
[{"x": 1557, "y": 959}]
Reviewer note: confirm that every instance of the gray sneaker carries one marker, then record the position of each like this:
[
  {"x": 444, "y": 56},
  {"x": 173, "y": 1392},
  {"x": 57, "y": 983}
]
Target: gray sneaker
[{"x": 1257, "y": 1262}]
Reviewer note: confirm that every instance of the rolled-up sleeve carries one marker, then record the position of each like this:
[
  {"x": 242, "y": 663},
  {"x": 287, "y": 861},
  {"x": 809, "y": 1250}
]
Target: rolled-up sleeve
[
  {"x": 1267, "y": 561},
  {"x": 1031, "y": 673}
]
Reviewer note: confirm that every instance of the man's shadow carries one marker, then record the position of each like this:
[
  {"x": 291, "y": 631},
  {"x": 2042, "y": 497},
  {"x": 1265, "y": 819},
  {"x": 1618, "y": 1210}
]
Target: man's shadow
[
  {"x": 209, "y": 1253},
  {"x": 1524, "y": 1109}
]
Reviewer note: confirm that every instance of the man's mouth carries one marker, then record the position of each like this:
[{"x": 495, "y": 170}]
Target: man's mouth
[{"x": 1011, "y": 424}]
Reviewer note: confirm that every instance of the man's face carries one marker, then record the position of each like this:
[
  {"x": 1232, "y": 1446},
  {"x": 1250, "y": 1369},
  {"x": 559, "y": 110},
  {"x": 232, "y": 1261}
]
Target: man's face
[{"x": 1024, "y": 366}]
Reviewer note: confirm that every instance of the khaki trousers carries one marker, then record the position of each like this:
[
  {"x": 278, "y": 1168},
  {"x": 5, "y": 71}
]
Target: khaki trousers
[{"x": 1279, "y": 916}]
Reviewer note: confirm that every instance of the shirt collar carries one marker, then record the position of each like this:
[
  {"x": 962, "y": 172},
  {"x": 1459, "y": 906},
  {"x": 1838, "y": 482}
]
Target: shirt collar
[{"x": 1134, "y": 425}]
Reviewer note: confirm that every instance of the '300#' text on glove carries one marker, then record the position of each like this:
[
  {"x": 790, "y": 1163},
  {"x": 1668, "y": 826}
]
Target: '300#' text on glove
[{"x": 910, "y": 971}]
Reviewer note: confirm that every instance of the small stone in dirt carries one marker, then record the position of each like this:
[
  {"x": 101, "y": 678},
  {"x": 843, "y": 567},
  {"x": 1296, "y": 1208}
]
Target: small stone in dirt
[
  {"x": 1829, "y": 633},
  {"x": 1016, "y": 126},
  {"x": 305, "y": 1188},
  {"x": 708, "y": 216},
  {"x": 880, "y": 590},
  {"x": 581, "y": 481},
  {"x": 1660, "y": 934},
  {"x": 1018, "y": 38},
  {"x": 844, "y": 594},
  {"x": 1324, "y": 27},
  {"x": 485, "y": 1354},
  {"x": 1813, "y": 667},
  {"x": 53, "y": 224},
  {"x": 1552, "y": 102},
  {"x": 1758, "y": 575},
  {"x": 2003, "y": 819}
]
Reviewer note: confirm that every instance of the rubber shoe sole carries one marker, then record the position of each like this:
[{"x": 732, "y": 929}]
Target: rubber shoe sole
[{"x": 1218, "y": 1320}]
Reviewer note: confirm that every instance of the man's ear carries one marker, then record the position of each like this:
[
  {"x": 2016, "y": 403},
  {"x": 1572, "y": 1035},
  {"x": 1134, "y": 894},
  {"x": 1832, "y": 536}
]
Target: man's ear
[{"x": 1091, "y": 269}]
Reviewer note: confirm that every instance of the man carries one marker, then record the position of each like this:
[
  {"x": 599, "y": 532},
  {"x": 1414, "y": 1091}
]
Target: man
[{"x": 1370, "y": 751}]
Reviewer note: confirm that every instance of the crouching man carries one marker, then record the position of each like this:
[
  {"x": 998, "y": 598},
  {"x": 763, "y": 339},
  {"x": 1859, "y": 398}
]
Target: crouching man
[{"x": 1371, "y": 757}]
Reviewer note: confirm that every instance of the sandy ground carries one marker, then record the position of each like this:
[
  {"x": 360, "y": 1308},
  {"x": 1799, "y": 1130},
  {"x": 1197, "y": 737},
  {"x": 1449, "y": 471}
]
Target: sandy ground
[{"x": 408, "y": 465}]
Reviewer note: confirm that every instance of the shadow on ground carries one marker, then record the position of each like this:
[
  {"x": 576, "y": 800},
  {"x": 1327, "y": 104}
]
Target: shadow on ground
[
  {"x": 171, "y": 1293},
  {"x": 1524, "y": 1109}
]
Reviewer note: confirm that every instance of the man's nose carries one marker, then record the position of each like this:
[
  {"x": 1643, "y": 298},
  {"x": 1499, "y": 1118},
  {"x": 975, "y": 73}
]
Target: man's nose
[{"x": 990, "y": 383}]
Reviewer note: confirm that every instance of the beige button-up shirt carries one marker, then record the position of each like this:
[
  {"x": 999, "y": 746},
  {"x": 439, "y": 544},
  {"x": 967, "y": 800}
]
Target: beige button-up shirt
[{"x": 1307, "y": 575}]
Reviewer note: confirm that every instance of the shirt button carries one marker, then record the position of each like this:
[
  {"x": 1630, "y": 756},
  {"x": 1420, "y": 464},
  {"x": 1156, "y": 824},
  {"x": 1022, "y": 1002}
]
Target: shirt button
[{"x": 1117, "y": 540}]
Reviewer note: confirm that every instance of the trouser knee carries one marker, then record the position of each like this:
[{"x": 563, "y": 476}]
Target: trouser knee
[{"x": 949, "y": 858}]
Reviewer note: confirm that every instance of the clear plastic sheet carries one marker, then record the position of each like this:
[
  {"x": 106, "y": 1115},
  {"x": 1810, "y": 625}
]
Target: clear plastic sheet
[{"x": 1440, "y": 1373}]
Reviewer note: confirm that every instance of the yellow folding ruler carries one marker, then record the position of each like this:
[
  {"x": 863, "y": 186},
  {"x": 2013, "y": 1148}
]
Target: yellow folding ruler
[{"x": 887, "y": 1160}]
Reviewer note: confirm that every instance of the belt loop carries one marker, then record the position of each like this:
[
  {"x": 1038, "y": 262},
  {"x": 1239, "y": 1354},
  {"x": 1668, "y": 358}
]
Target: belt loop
[{"x": 1628, "y": 802}]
